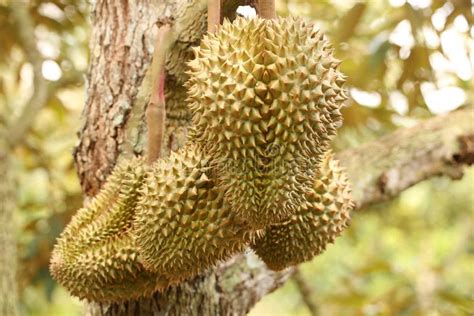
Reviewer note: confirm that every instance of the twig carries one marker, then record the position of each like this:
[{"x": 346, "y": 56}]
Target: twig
[
  {"x": 306, "y": 291},
  {"x": 266, "y": 9},
  {"x": 213, "y": 15},
  {"x": 156, "y": 110}
]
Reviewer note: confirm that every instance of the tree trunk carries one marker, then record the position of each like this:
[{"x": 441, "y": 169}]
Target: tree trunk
[
  {"x": 121, "y": 46},
  {"x": 8, "y": 258}
]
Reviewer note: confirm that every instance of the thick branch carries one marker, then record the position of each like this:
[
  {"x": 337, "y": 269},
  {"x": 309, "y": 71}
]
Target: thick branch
[
  {"x": 8, "y": 257},
  {"x": 382, "y": 169}
]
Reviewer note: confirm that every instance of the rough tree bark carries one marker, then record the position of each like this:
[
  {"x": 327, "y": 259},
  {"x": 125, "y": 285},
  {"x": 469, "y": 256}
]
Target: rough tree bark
[{"x": 121, "y": 46}]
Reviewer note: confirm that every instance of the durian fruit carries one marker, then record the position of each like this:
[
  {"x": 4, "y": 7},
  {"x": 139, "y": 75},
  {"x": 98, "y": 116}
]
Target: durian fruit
[
  {"x": 318, "y": 221},
  {"x": 265, "y": 96},
  {"x": 109, "y": 272},
  {"x": 95, "y": 257},
  {"x": 183, "y": 225}
]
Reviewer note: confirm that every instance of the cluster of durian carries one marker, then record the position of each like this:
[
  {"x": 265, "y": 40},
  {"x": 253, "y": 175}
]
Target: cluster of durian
[{"x": 265, "y": 99}]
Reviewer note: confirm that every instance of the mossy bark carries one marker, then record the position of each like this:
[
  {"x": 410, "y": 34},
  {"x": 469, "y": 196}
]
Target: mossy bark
[{"x": 121, "y": 46}]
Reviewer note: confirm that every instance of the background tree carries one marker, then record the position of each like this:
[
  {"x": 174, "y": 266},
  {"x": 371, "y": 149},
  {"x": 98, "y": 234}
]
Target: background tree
[
  {"x": 393, "y": 84},
  {"x": 38, "y": 64}
]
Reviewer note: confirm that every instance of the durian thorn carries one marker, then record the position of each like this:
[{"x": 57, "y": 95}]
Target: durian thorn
[
  {"x": 213, "y": 15},
  {"x": 156, "y": 110},
  {"x": 266, "y": 9}
]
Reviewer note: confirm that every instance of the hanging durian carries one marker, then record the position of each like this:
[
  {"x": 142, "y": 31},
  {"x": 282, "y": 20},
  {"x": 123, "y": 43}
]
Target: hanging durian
[
  {"x": 265, "y": 96},
  {"x": 95, "y": 257},
  {"x": 183, "y": 225},
  {"x": 318, "y": 221}
]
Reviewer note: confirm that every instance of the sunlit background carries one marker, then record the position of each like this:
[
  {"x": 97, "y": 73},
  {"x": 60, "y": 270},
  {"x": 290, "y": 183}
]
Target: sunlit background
[{"x": 405, "y": 61}]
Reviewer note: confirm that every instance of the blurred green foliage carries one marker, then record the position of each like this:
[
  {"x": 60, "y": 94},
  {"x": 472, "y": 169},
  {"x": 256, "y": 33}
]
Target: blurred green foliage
[{"x": 405, "y": 61}]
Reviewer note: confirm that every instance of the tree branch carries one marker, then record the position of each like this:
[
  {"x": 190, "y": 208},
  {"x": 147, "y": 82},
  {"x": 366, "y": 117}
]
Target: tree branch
[
  {"x": 381, "y": 169},
  {"x": 42, "y": 89},
  {"x": 40, "y": 93},
  {"x": 306, "y": 291}
]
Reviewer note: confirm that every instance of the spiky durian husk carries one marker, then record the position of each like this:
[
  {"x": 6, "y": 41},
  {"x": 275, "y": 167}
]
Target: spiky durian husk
[
  {"x": 108, "y": 213},
  {"x": 95, "y": 257},
  {"x": 183, "y": 225},
  {"x": 265, "y": 94},
  {"x": 110, "y": 272},
  {"x": 318, "y": 222}
]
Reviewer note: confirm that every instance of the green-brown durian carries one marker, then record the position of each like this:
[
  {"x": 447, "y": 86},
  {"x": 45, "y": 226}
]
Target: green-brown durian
[
  {"x": 318, "y": 221},
  {"x": 183, "y": 225},
  {"x": 95, "y": 257},
  {"x": 265, "y": 95},
  {"x": 109, "y": 272}
]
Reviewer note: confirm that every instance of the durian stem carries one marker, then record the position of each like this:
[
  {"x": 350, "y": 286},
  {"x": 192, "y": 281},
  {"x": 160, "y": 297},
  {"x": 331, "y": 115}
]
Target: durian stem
[
  {"x": 156, "y": 110},
  {"x": 213, "y": 15},
  {"x": 266, "y": 9}
]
